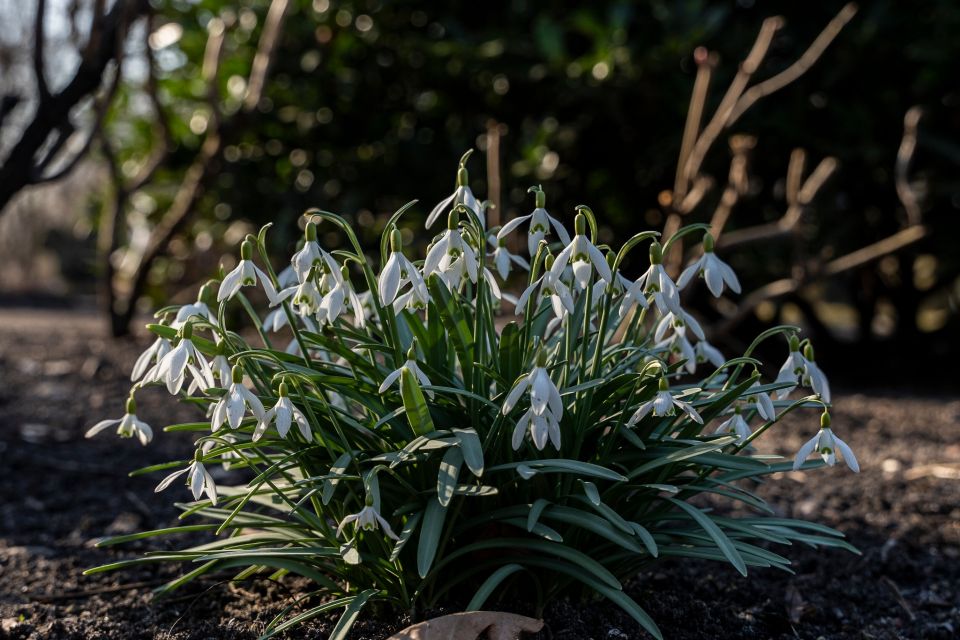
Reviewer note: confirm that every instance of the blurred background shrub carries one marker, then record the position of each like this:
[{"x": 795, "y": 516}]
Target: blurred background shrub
[{"x": 369, "y": 104}]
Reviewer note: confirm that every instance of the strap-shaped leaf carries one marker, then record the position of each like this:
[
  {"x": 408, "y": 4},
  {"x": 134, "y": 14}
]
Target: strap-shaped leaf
[
  {"x": 456, "y": 325},
  {"x": 535, "y": 510},
  {"x": 510, "y": 357},
  {"x": 716, "y": 534},
  {"x": 350, "y": 614},
  {"x": 430, "y": 531},
  {"x": 448, "y": 475},
  {"x": 405, "y": 534},
  {"x": 330, "y": 485},
  {"x": 490, "y": 584},
  {"x": 560, "y": 465},
  {"x": 472, "y": 449},
  {"x": 414, "y": 404}
]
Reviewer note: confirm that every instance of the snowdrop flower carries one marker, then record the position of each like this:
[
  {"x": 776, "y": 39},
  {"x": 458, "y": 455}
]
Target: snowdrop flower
[
  {"x": 678, "y": 322},
  {"x": 550, "y": 287},
  {"x": 415, "y": 299},
  {"x": 681, "y": 348},
  {"x": 706, "y": 352},
  {"x": 304, "y": 297},
  {"x": 655, "y": 280},
  {"x": 540, "y": 223},
  {"x": 198, "y": 479},
  {"x": 220, "y": 366},
  {"x": 310, "y": 255},
  {"x": 397, "y": 272},
  {"x": 503, "y": 259},
  {"x": 663, "y": 404},
  {"x": 826, "y": 444},
  {"x": 452, "y": 257},
  {"x": 462, "y": 195},
  {"x": 411, "y": 366},
  {"x": 800, "y": 368},
  {"x": 761, "y": 402},
  {"x": 583, "y": 256},
  {"x": 150, "y": 357},
  {"x": 130, "y": 425},
  {"x": 542, "y": 419},
  {"x": 232, "y": 406},
  {"x": 737, "y": 425},
  {"x": 246, "y": 274},
  {"x": 287, "y": 277},
  {"x": 368, "y": 519},
  {"x": 199, "y": 308},
  {"x": 716, "y": 273},
  {"x": 356, "y": 303},
  {"x": 283, "y": 414},
  {"x": 171, "y": 369}
]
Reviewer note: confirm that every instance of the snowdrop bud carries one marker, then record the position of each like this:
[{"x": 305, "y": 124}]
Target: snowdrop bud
[
  {"x": 453, "y": 220},
  {"x": 283, "y": 391},
  {"x": 548, "y": 262},
  {"x": 208, "y": 292},
  {"x": 396, "y": 240},
  {"x": 656, "y": 253},
  {"x": 580, "y": 224},
  {"x": 186, "y": 331},
  {"x": 131, "y": 404},
  {"x": 246, "y": 250},
  {"x": 463, "y": 178},
  {"x": 345, "y": 272},
  {"x": 808, "y": 352},
  {"x": 236, "y": 374},
  {"x": 541, "y": 358},
  {"x": 368, "y": 501},
  {"x": 794, "y": 343},
  {"x": 664, "y": 385},
  {"x": 707, "y": 243},
  {"x": 825, "y": 419},
  {"x": 412, "y": 351}
]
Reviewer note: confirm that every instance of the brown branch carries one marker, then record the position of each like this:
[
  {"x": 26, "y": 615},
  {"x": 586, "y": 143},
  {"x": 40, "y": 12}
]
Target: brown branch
[
  {"x": 860, "y": 257},
  {"x": 493, "y": 172},
  {"x": 706, "y": 61},
  {"x": 908, "y": 146},
  {"x": 266, "y": 52},
  {"x": 738, "y": 181},
  {"x": 798, "y": 68}
]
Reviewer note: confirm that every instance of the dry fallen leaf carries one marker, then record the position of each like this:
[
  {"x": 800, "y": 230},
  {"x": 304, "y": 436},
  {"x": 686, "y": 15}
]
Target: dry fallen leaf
[{"x": 470, "y": 625}]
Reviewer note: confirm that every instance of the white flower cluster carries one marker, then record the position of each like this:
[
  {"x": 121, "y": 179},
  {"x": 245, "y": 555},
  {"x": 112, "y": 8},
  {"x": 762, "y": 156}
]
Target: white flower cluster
[{"x": 567, "y": 275}]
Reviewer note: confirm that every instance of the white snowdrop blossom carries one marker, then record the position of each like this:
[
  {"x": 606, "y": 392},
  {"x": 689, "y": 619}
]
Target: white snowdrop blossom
[
  {"x": 663, "y": 404},
  {"x": 310, "y": 255},
  {"x": 198, "y": 479},
  {"x": 716, "y": 273},
  {"x": 397, "y": 273},
  {"x": 678, "y": 322},
  {"x": 150, "y": 357},
  {"x": 411, "y": 366},
  {"x": 282, "y": 415},
  {"x": 540, "y": 224},
  {"x": 550, "y": 287},
  {"x": 826, "y": 444},
  {"x": 657, "y": 281},
  {"x": 585, "y": 258},
  {"x": 233, "y": 405},
  {"x": 761, "y": 401},
  {"x": 462, "y": 195},
  {"x": 183, "y": 358},
  {"x": 706, "y": 352},
  {"x": 246, "y": 274},
  {"x": 129, "y": 425},
  {"x": 800, "y": 368},
  {"x": 367, "y": 519},
  {"x": 503, "y": 260},
  {"x": 542, "y": 419},
  {"x": 452, "y": 257},
  {"x": 415, "y": 299},
  {"x": 736, "y": 424}
]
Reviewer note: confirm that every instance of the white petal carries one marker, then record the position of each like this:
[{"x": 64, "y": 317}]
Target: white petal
[
  {"x": 514, "y": 396},
  {"x": 640, "y": 413},
  {"x": 805, "y": 451},
  {"x": 689, "y": 273},
  {"x": 166, "y": 482},
  {"x": 439, "y": 209},
  {"x": 389, "y": 281},
  {"x": 389, "y": 380},
  {"x": 599, "y": 262},
  {"x": 100, "y": 426},
  {"x": 848, "y": 456},
  {"x": 510, "y": 226}
]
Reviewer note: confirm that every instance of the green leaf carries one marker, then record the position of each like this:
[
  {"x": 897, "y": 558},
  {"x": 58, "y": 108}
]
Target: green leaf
[
  {"x": 510, "y": 356},
  {"x": 456, "y": 325},
  {"x": 716, "y": 534},
  {"x": 472, "y": 449},
  {"x": 562, "y": 465},
  {"x": 535, "y": 510},
  {"x": 448, "y": 475},
  {"x": 430, "y": 531},
  {"x": 330, "y": 485},
  {"x": 350, "y": 614},
  {"x": 661, "y": 458},
  {"x": 490, "y": 584},
  {"x": 591, "y": 492},
  {"x": 414, "y": 404},
  {"x": 408, "y": 528}
]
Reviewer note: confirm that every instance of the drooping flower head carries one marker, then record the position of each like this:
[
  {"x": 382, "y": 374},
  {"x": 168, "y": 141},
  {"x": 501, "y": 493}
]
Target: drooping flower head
[
  {"x": 716, "y": 273},
  {"x": 662, "y": 404},
  {"x": 542, "y": 419},
  {"x": 246, "y": 274},
  {"x": 827, "y": 445},
  {"x": 801, "y": 368},
  {"x": 233, "y": 405},
  {"x": 540, "y": 224},
  {"x": 658, "y": 282},
  {"x": 398, "y": 272},
  {"x": 452, "y": 257},
  {"x": 182, "y": 358},
  {"x": 129, "y": 425},
  {"x": 368, "y": 519},
  {"x": 283, "y": 414},
  {"x": 583, "y": 256},
  {"x": 462, "y": 195}
]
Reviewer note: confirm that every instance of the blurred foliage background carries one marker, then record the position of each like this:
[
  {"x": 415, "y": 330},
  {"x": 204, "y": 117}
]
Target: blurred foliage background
[{"x": 369, "y": 104}]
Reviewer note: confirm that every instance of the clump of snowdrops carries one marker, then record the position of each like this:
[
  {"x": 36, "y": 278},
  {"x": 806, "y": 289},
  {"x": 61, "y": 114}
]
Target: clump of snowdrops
[{"x": 427, "y": 438}]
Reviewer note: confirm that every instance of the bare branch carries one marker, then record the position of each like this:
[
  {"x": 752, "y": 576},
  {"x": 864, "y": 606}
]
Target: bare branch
[
  {"x": 706, "y": 61},
  {"x": 493, "y": 171},
  {"x": 39, "y": 70},
  {"x": 798, "y": 68},
  {"x": 908, "y": 146},
  {"x": 266, "y": 51}
]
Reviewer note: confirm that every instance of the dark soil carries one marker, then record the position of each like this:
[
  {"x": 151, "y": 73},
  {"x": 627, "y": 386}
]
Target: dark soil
[{"x": 60, "y": 492}]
